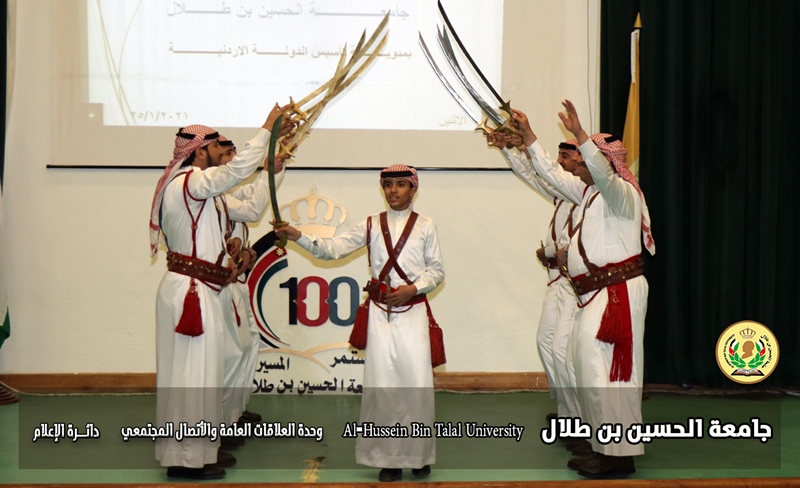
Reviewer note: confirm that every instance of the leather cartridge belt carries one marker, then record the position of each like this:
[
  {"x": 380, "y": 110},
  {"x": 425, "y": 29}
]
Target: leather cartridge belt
[
  {"x": 197, "y": 268},
  {"x": 377, "y": 293},
  {"x": 610, "y": 274}
]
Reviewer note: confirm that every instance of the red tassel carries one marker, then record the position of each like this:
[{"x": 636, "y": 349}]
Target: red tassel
[
  {"x": 191, "y": 323},
  {"x": 437, "y": 343},
  {"x": 236, "y": 312},
  {"x": 616, "y": 328},
  {"x": 358, "y": 336}
]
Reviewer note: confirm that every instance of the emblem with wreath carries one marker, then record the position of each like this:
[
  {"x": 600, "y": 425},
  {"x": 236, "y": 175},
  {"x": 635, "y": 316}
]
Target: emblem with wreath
[{"x": 738, "y": 362}]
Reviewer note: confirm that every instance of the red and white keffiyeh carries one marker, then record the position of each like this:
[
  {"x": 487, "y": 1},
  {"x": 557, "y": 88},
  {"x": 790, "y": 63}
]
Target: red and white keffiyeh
[
  {"x": 187, "y": 141},
  {"x": 400, "y": 172}
]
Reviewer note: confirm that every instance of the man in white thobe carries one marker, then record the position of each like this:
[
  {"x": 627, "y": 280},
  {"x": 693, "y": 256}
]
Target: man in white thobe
[
  {"x": 245, "y": 203},
  {"x": 606, "y": 343},
  {"x": 558, "y": 307},
  {"x": 398, "y": 377},
  {"x": 193, "y": 304}
]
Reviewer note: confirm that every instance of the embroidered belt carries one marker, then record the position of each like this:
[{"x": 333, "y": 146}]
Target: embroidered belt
[
  {"x": 610, "y": 274},
  {"x": 204, "y": 271},
  {"x": 377, "y": 293}
]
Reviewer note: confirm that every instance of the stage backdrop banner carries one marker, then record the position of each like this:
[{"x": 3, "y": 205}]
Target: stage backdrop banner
[{"x": 304, "y": 307}]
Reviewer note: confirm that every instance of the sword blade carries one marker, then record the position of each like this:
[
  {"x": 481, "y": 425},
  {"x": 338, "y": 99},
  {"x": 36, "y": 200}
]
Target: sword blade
[
  {"x": 444, "y": 81},
  {"x": 339, "y": 89},
  {"x": 316, "y": 111},
  {"x": 469, "y": 58},
  {"x": 447, "y": 48},
  {"x": 273, "y": 141},
  {"x": 353, "y": 60},
  {"x": 317, "y": 108}
]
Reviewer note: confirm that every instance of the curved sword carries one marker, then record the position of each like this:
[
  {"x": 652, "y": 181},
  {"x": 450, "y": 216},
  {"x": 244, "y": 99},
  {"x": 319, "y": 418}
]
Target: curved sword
[
  {"x": 288, "y": 146},
  {"x": 504, "y": 105},
  {"x": 273, "y": 141},
  {"x": 345, "y": 83},
  {"x": 353, "y": 60},
  {"x": 444, "y": 81},
  {"x": 447, "y": 48}
]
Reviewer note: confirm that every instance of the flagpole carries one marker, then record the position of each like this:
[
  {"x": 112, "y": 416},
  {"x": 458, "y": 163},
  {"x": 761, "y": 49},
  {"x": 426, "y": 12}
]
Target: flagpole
[{"x": 631, "y": 134}]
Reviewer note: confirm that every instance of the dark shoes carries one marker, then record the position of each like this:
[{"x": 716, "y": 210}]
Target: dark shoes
[
  {"x": 422, "y": 472},
  {"x": 224, "y": 459},
  {"x": 581, "y": 450},
  {"x": 574, "y": 444},
  {"x": 395, "y": 474},
  {"x": 576, "y": 462},
  {"x": 207, "y": 472},
  {"x": 600, "y": 466},
  {"x": 389, "y": 474},
  {"x": 249, "y": 417},
  {"x": 550, "y": 417},
  {"x": 230, "y": 443}
]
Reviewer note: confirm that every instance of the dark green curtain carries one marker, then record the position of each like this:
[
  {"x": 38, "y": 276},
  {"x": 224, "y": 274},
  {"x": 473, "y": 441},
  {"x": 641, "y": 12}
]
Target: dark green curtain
[{"x": 719, "y": 168}]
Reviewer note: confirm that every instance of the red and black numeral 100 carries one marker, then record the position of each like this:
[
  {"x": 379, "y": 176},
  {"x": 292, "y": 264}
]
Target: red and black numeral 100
[{"x": 329, "y": 294}]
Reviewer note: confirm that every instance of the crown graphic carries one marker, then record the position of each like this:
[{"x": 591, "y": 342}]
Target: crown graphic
[
  {"x": 323, "y": 223},
  {"x": 747, "y": 333}
]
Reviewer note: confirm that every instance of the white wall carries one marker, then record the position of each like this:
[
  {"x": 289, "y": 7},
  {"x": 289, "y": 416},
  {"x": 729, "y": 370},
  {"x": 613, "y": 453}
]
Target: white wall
[{"x": 81, "y": 284}]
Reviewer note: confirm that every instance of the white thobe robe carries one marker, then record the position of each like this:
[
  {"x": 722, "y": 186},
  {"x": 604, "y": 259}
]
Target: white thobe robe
[
  {"x": 558, "y": 306},
  {"x": 246, "y": 203},
  {"x": 398, "y": 378},
  {"x": 611, "y": 233},
  {"x": 189, "y": 370}
]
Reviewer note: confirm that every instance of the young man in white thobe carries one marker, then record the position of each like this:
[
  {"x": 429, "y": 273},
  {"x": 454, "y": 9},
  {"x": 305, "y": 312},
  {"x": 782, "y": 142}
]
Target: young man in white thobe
[
  {"x": 398, "y": 377},
  {"x": 604, "y": 261},
  {"x": 193, "y": 305}
]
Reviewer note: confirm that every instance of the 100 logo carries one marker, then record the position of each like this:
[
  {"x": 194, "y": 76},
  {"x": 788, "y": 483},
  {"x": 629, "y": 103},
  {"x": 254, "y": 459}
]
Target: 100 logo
[{"x": 329, "y": 294}]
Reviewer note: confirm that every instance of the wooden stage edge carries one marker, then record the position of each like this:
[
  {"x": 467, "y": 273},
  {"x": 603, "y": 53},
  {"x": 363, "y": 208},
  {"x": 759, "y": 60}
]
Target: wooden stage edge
[
  {"x": 55, "y": 383},
  {"x": 146, "y": 382},
  {"x": 665, "y": 483},
  {"x": 443, "y": 381}
]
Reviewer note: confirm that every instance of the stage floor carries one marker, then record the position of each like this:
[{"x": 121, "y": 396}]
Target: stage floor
[{"x": 721, "y": 459}]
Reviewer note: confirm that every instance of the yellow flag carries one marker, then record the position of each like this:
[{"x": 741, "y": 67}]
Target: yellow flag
[{"x": 630, "y": 137}]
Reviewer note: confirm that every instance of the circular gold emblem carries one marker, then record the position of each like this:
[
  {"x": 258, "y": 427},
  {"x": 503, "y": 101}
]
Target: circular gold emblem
[{"x": 747, "y": 352}]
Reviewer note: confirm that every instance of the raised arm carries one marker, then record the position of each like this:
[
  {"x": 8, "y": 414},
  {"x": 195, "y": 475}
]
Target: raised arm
[
  {"x": 522, "y": 166},
  {"x": 219, "y": 179},
  {"x": 246, "y": 203},
  {"x": 619, "y": 195},
  {"x": 568, "y": 185}
]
